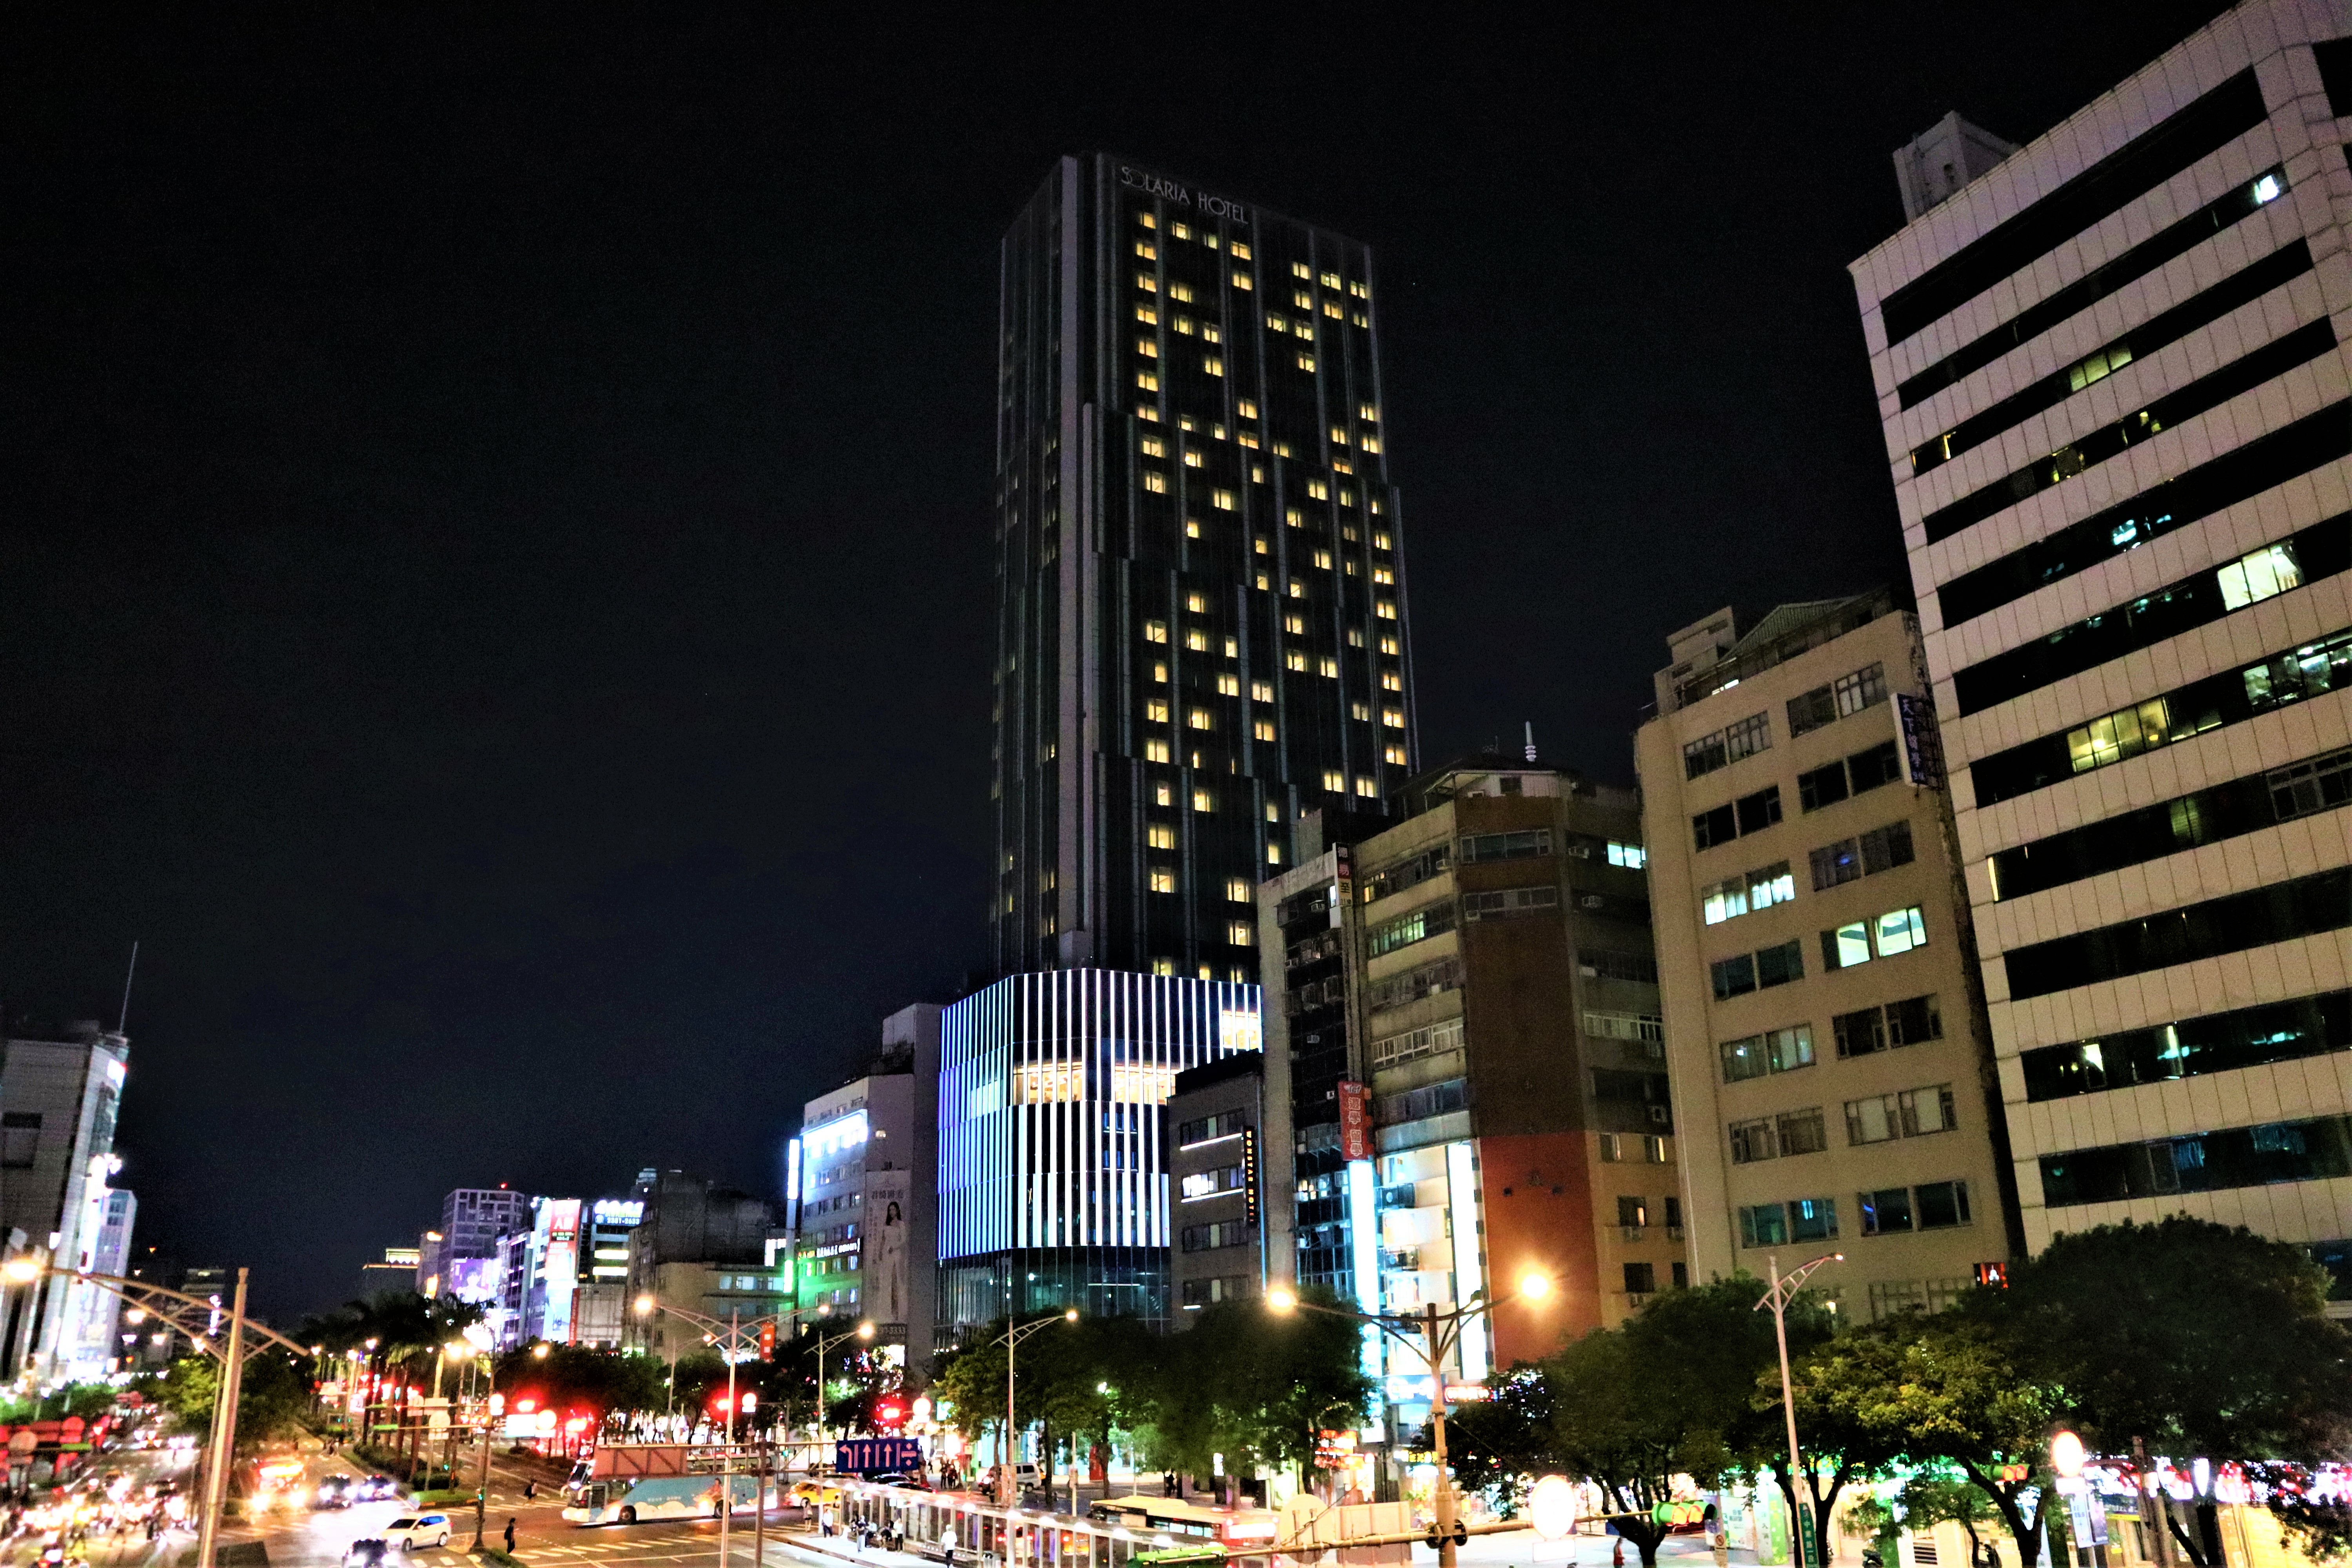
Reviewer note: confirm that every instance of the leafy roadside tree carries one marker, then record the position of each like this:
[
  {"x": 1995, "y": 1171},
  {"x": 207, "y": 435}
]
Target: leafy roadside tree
[
  {"x": 1499, "y": 1447},
  {"x": 2196, "y": 1337},
  {"x": 1941, "y": 1387},
  {"x": 271, "y": 1399}
]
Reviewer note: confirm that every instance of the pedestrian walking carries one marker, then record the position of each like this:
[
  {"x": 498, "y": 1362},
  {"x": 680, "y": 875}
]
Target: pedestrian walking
[
  {"x": 530, "y": 1491},
  {"x": 510, "y": 1537}
]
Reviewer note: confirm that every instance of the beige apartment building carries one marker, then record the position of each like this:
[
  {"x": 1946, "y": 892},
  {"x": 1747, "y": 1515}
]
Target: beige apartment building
[{"x": 1824, "y": 1017}]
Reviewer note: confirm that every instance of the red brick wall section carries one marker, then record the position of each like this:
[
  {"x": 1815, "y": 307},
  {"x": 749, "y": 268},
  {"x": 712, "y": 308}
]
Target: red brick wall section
[{"x": 1538, "y": 1195}]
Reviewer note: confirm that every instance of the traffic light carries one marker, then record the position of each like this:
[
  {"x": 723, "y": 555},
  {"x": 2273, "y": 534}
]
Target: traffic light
[
  {"x": 890, "y": 1412},
  {"x": 768, "y": 1340}
]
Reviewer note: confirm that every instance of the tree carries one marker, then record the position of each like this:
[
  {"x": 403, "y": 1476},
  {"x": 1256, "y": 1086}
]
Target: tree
[
  {"x": 271, "y": 1399},
  {"x": 1933, "y": 1496},
  {"x": 1945, "y": 1387},
  {"x": 1499, "y": 1447},
  {"x": 2198, "y": 1338},
  {"x": 1837, "y": 1444}
]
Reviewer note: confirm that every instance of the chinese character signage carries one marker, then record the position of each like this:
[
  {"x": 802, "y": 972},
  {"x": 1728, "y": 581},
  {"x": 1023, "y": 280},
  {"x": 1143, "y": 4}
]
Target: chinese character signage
[{"x": 1355, "y": 1121}]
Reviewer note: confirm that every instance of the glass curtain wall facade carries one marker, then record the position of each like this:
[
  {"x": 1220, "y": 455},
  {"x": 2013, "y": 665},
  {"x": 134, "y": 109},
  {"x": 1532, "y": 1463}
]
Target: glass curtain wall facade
[
  {"x": 2118, "y": 419},
  {"x": 1053, "y": 1173},
  {"x": 1200, "y": 585}
]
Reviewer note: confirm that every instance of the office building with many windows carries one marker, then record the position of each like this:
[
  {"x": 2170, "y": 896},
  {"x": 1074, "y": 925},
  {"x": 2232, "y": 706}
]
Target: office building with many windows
[
  {"x": 2118, "y": 419},
  {"x": 1464, "y": 1029},
  {"x": 1053, "y": 1150},
  {"x": 1201, "y": 592},
  {"x": 1823, "y": 1017}
]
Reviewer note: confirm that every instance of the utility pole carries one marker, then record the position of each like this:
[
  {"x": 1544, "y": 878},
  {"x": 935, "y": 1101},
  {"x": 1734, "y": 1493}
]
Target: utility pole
[
  {"x": 1801, "y": 1505},
  {"x": 231, "y": 1376}
]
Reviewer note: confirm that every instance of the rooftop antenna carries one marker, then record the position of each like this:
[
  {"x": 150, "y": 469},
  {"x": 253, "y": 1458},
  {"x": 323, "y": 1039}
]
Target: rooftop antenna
[
  {"x": 123, "y": 1025},
  {"x": 1532, "y": 739}
]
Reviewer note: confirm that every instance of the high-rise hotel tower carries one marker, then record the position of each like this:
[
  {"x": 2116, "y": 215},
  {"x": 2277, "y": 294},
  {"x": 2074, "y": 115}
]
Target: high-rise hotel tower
[
  {"x": 1200, "y": 596},
  {"x": 2111, "y": 366}
]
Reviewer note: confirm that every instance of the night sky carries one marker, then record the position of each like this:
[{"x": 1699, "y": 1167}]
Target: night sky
[{"x": 496, "y": 591}]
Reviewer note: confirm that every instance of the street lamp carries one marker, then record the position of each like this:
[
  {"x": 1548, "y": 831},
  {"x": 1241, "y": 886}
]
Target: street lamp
[
  {"x": 732, "y": 1337},
  {"x": 1014, "y": 1335},
  {"x": 864, "y": 1331},
  {"x": 1440, "y": 1335},
  {"x": 1784, "y": 1288}
]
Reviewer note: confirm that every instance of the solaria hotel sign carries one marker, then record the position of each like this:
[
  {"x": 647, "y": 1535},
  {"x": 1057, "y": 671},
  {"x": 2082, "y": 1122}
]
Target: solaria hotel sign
[{"x": 1176, "y": 193}]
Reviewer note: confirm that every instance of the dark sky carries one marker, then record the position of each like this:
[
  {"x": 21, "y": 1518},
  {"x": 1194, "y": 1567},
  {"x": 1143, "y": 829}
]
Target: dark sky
[{"x": 495, "y": 577}]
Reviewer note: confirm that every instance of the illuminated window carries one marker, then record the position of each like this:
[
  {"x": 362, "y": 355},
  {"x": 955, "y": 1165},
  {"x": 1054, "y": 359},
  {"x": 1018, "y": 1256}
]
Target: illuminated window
[
  {"x": 1300, "y": 269},
  {"x": 1197, "y": 717},
  {"x": 1156, "y": 483},
  {"x": 1238, "y": 248},
  {"x": 1277, "y": 322},
  {"x": 1241, "y": 280},
  {"x": 1145, "y": 411},
  {"x": 1294, "y": 659},
  {"x": 1295, "y": 625},
  {"x": 1390, "y": 647},
  {"x": 1328, "y": 280},
  {"x": 1214, "y": 366},
  {"x": 1184, "y": 324},
  {"x": 1265, "y": 583},
  {"x": 1163, "y": 966},
  {"x": 1147, "y": 282},
  {"x": 1241, "y": 933},
  {"x": 1360, "y": 290},
  {"x": 1317, "y": 490},
  {"x": 1331, "y": 308},
  {"x": 1391, "y": 680},
  {"x": 1155, "y": 631},
  {"x": 1323, "y": 561},
  {"x": 1335, "y": 781},
  {"x": 1233, "y": 647},
  {"x": 1306, "y": 361},
  {"x": 1197, "y": 603},
  {"x": 1228, "y": 684},
  {"x": 1193, "y": 459},
  {"x": 1148, "y": 347},
  {"x": 1159, "y": 836},
  {"x": 1159, "y": 673},
  {"x": 1180, "y": 229},
  {"x": 1385, "y": 609},
  {"x": 1329, "y": 668},
  {"x": 1393, "y": 754},
  {"x": 1292, "y": 516},
  {"x": 1143, "y": 248},
  {"x": 1297, "y": 589},
  {"x": 1246, "y": 408},
  {"x": 1147, "y": 220},
  {"x": 1197, "y": 640},
  {"x": 1369, "y": 443},
  {"x": 1274, "y": 853},
  {"x": 1379, "y": 541},
  {"x": 1222, "y": 500},
  {"x": 1360, "y": 320},
  {"x": 1261, "y": 691},
  {"x": 1259, "y": 544},
  {"x": 1155, "y": 752},
  {"x": 1304, "y": 301},
  {"x": 1366, "y": 411},
  {"x": 1203, "y": 800},
  {"x": 1147, "y": 382},
  {"x": 1163, "y": 794},
  {"x": 1393, "y": 717},
  {"x": 1384, "y": 574},
  {"x": 1153, "y": 447},
  {"x": 1262, "y": 729},
  {"x": 1361, "y": 711},
  {"x": 1146, "y": 315},
  {"x": 1273, "y": 812},
  {"x": 1163, "y": 879},
  {"x": 1155, "y": 711},
  {"x": 1179, "y": 291},
  {"x": 1367, "y": 787},
  {"x": 1237, "y": 890},
  {"x": 1191, "y": 528}
]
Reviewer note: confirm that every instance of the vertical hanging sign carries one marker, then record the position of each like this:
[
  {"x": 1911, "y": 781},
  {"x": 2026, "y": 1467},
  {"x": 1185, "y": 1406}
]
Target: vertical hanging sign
[{"x": 1355, "y": 1121}]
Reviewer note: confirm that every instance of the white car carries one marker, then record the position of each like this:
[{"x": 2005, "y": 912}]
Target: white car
[{"x": 412, "y": 1530}]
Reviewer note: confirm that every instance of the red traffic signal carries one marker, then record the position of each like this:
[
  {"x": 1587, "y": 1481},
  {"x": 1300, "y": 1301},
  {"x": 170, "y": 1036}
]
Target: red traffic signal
[
  {"x": 768, "y": 1342},
  {"x": 890, "y": 1411}
]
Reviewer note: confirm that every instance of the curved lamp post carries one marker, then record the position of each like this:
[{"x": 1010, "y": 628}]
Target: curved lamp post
[
  {"x": 1014, "y": 1335},
  {"x": 1437, "y": 1335},
  {"x": 732, "y": 1337},
  {"x": 191, "y": 1315},
  {"x": 1784, "y": 1291}
]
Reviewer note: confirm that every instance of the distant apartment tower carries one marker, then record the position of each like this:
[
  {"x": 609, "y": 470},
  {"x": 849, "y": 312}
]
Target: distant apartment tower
[
  {"x": 709, "y": 1248},
  {"x": 1053, "y": 1152},
  {"x": 466, "y": 1242},
  {"x": 2117, "y": 415},
  {"x": 1464, "y": 1029},
  {"x": 1824, "y": 1020},
  {"x": 1201, "y": 594},
  {"x": 58, "y": 1101},
  {"x": 864, "y": 1191}
]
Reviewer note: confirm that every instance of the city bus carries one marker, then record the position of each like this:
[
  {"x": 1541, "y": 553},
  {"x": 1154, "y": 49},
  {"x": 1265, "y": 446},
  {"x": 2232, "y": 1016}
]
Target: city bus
[
  {"x": 1188, "y": 1523},
  {"x": 625, "y": 1500}
]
